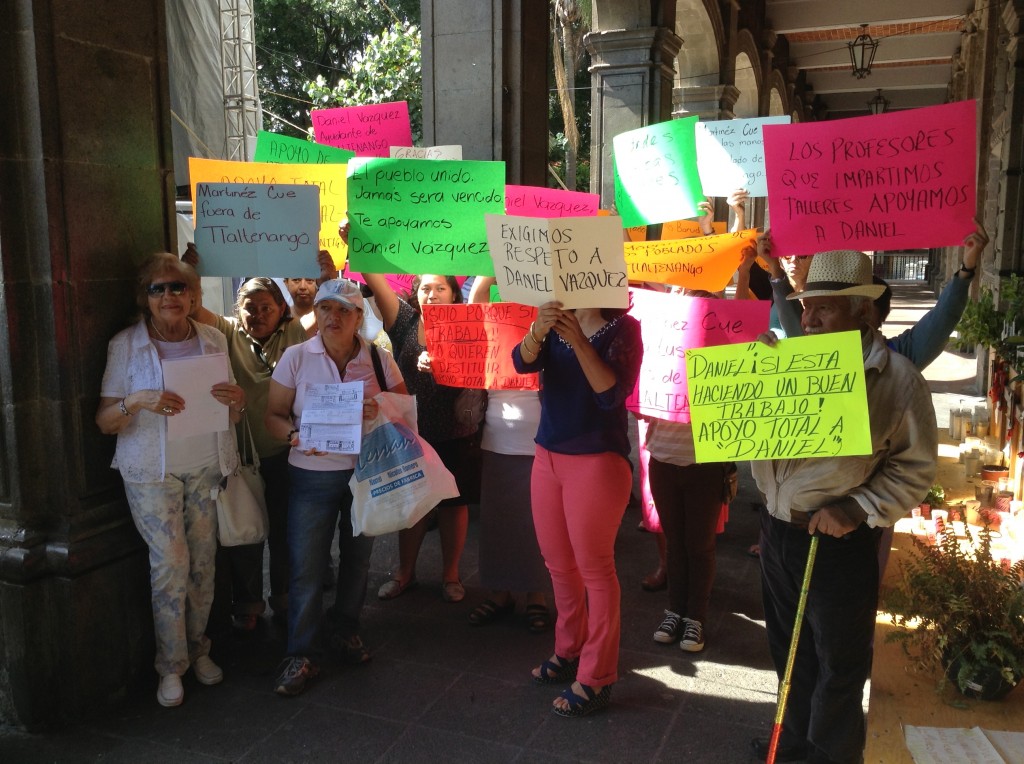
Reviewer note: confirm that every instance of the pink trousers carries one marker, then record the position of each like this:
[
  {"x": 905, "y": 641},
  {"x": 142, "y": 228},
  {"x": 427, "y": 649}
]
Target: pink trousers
[{"x": 578, "y": 503}]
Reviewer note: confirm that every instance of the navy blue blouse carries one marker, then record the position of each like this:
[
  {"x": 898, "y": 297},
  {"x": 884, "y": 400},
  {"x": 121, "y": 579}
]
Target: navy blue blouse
[{"x": 573, "y": 418}]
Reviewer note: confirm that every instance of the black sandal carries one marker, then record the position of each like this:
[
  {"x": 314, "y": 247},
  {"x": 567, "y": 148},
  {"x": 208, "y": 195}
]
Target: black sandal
[
  {"x": 490, "y": 611},
  {"x": 557, "y": 673},
  {"x": 538, "y": 618},
  {"x": 594, "y": 700}
]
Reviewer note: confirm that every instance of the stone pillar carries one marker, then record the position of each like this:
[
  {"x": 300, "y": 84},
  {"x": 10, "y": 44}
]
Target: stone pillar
[
  {"x": 632, "y": 74},
  {"x": 86, "y": 191},
  {"x": 491, "y": 59},
  {"x": 709, "y": 102}
]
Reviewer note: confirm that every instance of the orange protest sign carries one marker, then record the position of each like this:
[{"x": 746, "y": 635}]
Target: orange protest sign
[
  {"x": 470, "y": 344},
  {"x": 329, "y": 177},
  {"x": 673, "y": 229},
  {"x": 686, "y": 229},
  {"x": 636, "y": 233},
  {"x": 701, "y": 262}
]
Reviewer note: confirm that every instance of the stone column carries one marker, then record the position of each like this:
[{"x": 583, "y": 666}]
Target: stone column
[
  {"x": 709, "y": 102},
  {"x": 485, "y": 82},
  {"x": 86, "y": 191},
  {"x": 632, "y": 74}
]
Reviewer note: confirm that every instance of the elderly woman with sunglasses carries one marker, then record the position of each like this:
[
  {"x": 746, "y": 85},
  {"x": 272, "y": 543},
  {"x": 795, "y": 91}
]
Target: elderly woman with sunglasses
[{"x": 168, "y": 483}]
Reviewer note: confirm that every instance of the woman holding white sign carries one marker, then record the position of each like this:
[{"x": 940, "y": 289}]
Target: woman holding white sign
[
  {"x": 319, "y": 496},
  {"x": 580, "y": 486},
  {"x": 168, "y": 484}
]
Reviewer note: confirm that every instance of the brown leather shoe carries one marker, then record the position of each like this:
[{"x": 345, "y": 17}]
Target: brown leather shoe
[{"x": 655, "y": 582}]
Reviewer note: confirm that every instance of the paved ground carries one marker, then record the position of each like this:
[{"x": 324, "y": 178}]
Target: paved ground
[{"x": 440, "y": 690}]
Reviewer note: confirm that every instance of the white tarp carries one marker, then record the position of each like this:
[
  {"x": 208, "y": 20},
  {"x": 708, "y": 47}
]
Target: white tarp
[{"x": 196, "y": 87}]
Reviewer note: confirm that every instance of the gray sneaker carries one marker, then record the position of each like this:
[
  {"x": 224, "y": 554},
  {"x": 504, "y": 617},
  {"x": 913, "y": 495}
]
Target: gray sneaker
[
  {"x": 668, "y": 632},
  {"x": 693, "y": 636},
  {"x": 295, "y": 674}
]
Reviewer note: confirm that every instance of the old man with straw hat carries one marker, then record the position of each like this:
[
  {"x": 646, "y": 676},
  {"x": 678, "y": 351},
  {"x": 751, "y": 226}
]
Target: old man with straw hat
[{"x": 845, "y": 501}]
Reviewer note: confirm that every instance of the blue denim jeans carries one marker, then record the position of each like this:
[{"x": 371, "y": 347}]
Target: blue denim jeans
[{"x": 316, "y": 500}]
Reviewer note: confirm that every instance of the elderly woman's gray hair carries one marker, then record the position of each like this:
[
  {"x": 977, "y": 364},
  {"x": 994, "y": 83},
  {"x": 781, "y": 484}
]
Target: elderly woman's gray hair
[{"x": 158, "y": 264}]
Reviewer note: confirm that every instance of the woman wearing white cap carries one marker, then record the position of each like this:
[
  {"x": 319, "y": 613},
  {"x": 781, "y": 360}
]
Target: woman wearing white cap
[{"x": 319, "y": 495}]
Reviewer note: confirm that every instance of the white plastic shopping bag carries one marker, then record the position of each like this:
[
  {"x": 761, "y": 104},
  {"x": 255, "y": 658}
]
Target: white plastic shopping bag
[{"x": 399, "y": 477}]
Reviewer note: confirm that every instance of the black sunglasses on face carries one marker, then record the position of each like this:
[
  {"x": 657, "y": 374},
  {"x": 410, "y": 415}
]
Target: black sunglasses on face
[{"x": 177, "y": 288}]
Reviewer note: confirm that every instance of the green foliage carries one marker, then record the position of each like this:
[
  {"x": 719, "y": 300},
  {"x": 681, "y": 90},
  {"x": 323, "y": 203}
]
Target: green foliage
[
  {"x": 557, "y": 142},
  {"x": 935, "y": 497},
  {"x": 389, "y": 69},
  {"x": 300, "y": 40},
  {"x": 970, "y": 610},
  {"x": 998, "y": 328}
]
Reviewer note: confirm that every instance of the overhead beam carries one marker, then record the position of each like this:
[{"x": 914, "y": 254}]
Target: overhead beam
[
  {"x": 897, "y": 77},
  {"x": 925, "y": 47},
  {"x": 898, "y": 99},
  {"x": 789, "y": 16}
]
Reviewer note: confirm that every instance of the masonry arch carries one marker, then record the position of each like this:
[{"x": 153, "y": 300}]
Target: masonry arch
[
  {"x": 698, "y": 63},
  {"x": 749, "y": 77}
]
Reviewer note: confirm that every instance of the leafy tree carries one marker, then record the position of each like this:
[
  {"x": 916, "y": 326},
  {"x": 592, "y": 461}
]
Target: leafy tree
[
  {"x": 300, "y": 40},
  {"x": 570, "y": 20},
  {"x": 389, "y": 69}
]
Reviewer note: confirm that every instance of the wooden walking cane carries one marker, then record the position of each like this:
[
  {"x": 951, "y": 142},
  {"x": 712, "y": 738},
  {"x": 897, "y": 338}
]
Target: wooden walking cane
[{"x": 787, "y": 675}]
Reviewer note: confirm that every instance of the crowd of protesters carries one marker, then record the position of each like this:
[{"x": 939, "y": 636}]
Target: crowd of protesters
[{"x": 554, "y": 484}]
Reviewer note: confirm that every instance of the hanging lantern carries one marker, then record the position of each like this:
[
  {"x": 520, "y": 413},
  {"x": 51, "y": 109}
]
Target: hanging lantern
[
  {"x": 879, "y": 104},
  {"x": 862, "y": 53}
]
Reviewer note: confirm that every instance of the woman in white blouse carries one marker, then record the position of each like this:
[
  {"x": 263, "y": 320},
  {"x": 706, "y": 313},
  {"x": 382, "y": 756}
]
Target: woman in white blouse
[{"x": 168, "y": 483}]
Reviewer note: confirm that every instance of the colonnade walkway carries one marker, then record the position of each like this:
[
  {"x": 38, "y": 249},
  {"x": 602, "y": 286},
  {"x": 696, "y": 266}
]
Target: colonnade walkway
[{"x": 439, "y": 690}]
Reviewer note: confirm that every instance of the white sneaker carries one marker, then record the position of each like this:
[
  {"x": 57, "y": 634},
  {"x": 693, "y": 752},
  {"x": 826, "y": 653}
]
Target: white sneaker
[
  {"x": 170, "y": 692},
  {"x": 206, "y": 671}
]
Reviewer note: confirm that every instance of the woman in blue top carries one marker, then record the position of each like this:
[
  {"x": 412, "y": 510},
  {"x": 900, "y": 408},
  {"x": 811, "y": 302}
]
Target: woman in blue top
[{"x": 580, "y": 486}]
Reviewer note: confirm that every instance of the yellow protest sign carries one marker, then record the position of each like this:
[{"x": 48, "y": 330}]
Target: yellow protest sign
[
  {"x": 803, "y": 398},
  {"x": 701, "y": 262},
  {"x": 329, "y": 177}
]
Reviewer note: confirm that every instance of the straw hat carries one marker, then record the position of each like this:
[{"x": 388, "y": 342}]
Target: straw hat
[{"x": 839, "y": 272}]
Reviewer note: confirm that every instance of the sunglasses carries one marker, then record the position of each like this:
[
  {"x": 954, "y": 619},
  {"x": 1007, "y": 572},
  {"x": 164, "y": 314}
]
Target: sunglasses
[{"x": 176, "y": 288}]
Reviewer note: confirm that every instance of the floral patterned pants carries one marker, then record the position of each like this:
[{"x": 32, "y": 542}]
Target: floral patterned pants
[{"x": 178, "y": 520}]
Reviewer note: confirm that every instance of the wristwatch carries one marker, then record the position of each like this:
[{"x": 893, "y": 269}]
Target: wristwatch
[
  {"x": 969, "y": 271},
  {"x": 124, "y": 408}
]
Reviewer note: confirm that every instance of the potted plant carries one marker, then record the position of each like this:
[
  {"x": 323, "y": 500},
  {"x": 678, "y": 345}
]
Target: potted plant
[
  {"x": 960, "y": 610},
  {"x": 998, "y": 328},
  {"x": 934, "y": 499}
]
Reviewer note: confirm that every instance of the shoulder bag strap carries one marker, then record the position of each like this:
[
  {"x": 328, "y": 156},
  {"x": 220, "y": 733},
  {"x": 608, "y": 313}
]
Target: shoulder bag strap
[
  {"x": 247, "y": 440},
  {"x": 378, "y": 368}
]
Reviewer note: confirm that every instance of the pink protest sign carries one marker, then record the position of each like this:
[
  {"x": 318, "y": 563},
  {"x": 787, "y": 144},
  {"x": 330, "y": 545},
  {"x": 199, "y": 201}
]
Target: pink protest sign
[
  {"x": 370, "y": 130},
  {"x": 892, "y": 181},
  {"x": 670, "y": 324},
  {"x": 536, "y": 201}
]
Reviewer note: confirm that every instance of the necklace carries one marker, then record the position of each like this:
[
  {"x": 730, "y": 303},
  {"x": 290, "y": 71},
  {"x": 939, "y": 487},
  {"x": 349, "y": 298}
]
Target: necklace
[
  {"x": 188, "y": 334},
  {"x": 352, "y": 354}
]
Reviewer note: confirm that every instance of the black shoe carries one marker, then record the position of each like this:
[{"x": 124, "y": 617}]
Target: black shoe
[
  {"x": 782, "y": 752},
  {"x": 296, "y": 673}
]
